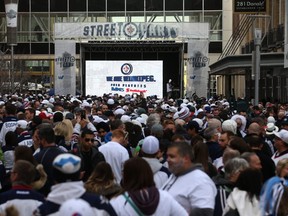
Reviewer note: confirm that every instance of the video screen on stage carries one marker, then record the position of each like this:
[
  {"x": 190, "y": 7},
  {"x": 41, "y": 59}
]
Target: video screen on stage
[{"x": 124, "y": 77}]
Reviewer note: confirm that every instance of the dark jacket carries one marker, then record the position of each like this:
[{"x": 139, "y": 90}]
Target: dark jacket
[{"x": 90, "y": 160}]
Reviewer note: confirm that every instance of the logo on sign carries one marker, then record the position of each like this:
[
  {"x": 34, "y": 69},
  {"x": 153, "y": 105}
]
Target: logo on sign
[
  {"x": 61, "y": 77},
  {"x": 130, "y": 29},
  {"x": 66, "y": 61},
  {"x": 126, "y": 69}
]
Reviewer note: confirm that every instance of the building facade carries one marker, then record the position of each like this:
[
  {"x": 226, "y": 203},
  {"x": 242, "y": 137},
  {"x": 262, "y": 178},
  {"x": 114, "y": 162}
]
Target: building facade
[
  {"x": 34, "y": 53},
  {"x": 234, "y": 69}
]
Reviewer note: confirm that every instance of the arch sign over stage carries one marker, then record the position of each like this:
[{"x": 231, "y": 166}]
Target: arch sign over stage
[{"x": 66, "y": 36}]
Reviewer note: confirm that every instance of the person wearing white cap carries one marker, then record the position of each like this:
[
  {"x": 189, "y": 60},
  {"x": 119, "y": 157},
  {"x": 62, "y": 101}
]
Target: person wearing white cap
[
  {"x": 281, "y": 145},
  {"x": 150, "y": 149},
  {"x": 24, "y": 137},
  {"x": 66, "y": 175}
]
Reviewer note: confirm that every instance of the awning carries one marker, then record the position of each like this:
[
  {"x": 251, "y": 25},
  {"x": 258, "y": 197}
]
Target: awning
[{"x": 236, "y": 64}]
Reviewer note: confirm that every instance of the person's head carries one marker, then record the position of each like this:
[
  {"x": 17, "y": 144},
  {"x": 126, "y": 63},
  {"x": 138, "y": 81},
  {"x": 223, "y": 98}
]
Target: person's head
[
  {"x": 254, "y": 141},
  {"x": 102, "y": 173},
  {"x": 157, "y": 131},
  {"x": 229, "y": 125},
  {"x": 117, "y": 124},
  {"x": 102, "y": 129},
  {"x": 64, "y": 128},
  {"x": 29, "y": 113},
  {"x": 58, "y": 117},
  {"x": 46, "y": 135},
  {"x": 281, "y": 140},
  {"x": 192, "y": 128},
  {"x": 201, "y": 154},
  {"x": 11, "y": 139},
  {"x": 228, "y": 154},
  {"x": 153, "y": 118},
  {"x": 104, "y": 108},
  {"x": 10, "y": 109},
  {"x": 24, "y": 153},
  {"x": 215, "y": 123},
  {"x": 179, "y": 157},
  {"x": 23, "y": 172},
  {"x": 120, "y": 136},
  {"x": 254, "y": 128},
  {"x": 66, "y": 168},
  {"x": 150, "y": 147},
  {"x": 211, "y": 134},
  {"x": 282, "y": 168},
  {"x": 224, "y": 138},
  {"x": 178, "y": 138},
  {"x": 239, "y": 144},
  {"x": 137, "y": 175},
  {"x": 250, "y": 180},
  {"x": 87, "y": 140},
  {"x": 253, "y": 160},
  {"x": 234, "y": 167},
  {"x": 22, "y": 125}
]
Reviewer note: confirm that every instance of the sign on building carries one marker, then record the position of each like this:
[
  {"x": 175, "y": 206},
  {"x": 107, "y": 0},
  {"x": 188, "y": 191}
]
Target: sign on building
[{"x": 250, "y": 6}]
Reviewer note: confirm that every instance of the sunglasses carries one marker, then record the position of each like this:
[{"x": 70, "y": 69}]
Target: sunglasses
[{"x": 87, "y": 140}]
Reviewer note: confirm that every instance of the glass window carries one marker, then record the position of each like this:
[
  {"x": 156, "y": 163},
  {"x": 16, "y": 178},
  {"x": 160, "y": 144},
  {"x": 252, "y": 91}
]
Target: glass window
[
  {"x": 213, "y": 5},
  {"x": 77, "y": 5},
  {"x": 39, "y": 28},
  {"x": 115, "y": 5},
  {"x": 174, "y": 5},
  {"x": 23, "y": 6},
  {"x": 193, "y": 5},
  {"x": 154, "y": 5},
  {"x": 58, "y": 5},
  {"x": 98, "y": 5},
  {"x": 135, "y": 5},
  {"x": 36, "y": 6},
  {"x": 137, "y": 19}
]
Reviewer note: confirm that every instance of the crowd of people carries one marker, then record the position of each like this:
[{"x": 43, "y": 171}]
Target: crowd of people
[{"x": 136, "y": 155}]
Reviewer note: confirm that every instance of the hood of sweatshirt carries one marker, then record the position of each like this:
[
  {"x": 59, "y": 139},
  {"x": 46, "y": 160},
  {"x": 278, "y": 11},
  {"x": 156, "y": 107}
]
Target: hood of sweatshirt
[{"x": 146, "y": 199}]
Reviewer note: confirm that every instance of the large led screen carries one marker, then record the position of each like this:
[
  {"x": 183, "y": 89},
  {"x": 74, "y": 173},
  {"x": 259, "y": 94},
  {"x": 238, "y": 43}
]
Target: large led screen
[{"x": 124, "y": 77}]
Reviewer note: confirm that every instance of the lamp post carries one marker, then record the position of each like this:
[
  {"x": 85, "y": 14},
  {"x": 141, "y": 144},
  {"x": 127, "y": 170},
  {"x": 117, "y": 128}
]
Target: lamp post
[
  {"x": 11, "y": 9},
  {"x": 257, "y": 43}
]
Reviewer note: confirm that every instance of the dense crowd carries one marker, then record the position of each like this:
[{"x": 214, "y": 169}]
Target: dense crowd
[{"x": 136, "y": 155}]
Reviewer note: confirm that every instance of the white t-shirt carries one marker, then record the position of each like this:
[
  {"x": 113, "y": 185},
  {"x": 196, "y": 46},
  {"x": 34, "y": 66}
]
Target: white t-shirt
[
  {"x": 115, "y": 154},
  {"x": 194, "y": 189}
]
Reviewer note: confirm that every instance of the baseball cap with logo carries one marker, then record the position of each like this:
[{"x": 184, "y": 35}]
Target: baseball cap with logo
[
  {"x": 283, "y": 135},
  {"x": 22, "y": 124},
  {"x": 150, "y": 145},
  {"x": 67, "y": 163}
]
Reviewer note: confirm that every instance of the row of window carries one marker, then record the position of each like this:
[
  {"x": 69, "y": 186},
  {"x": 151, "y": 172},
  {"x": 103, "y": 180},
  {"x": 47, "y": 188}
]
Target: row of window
[{"x": 115, "y": 5}]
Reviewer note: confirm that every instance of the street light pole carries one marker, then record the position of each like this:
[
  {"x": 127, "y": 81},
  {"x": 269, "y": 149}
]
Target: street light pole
[
  {"x": 257, "y": 43},
  {"x": 11, "y": 9}
]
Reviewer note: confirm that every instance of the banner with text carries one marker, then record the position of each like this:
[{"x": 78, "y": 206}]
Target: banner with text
[
  {"x": 65, "y": 69},
  {"x": 131, "y": 31},
  {"x": 197, "y": 70},
  {"x": 124, "y": 77}
]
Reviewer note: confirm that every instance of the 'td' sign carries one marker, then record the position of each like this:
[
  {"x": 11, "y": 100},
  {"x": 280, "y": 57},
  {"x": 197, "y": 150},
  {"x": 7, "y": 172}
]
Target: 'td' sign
[{"x": 250, "y": 6}]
